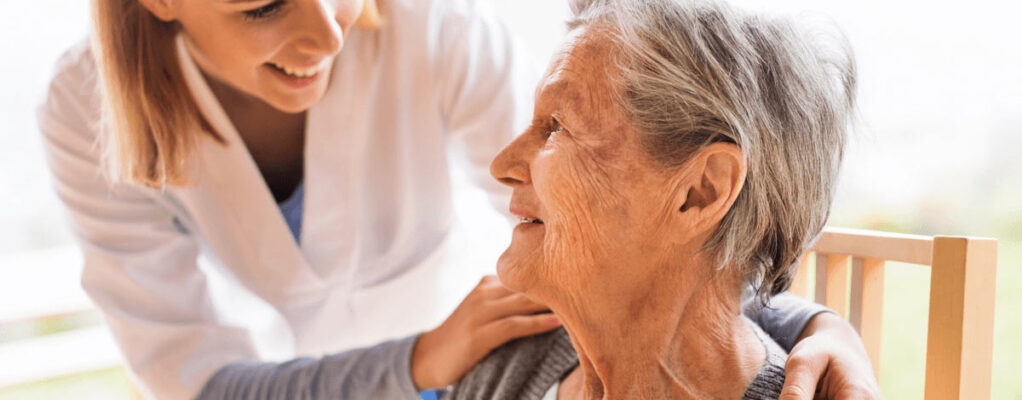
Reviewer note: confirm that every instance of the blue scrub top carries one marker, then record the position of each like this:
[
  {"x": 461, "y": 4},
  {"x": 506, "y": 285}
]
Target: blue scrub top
[{"x": 292, "y": 210}]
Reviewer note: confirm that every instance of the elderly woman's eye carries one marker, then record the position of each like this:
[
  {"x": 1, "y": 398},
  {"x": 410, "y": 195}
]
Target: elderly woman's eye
[{"x": 555, "y": 126}]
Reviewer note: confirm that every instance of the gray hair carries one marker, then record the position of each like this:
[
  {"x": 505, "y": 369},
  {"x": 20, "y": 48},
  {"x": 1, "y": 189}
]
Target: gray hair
[{"x": 695, "y": 72}]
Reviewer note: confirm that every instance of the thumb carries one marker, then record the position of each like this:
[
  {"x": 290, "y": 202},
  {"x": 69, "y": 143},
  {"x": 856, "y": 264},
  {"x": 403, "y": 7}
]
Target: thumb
[{"x": 800, "y": 378}]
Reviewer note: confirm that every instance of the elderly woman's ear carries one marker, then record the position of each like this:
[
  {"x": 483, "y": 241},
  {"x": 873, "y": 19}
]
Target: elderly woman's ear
[{"x": 710, "y": 183}]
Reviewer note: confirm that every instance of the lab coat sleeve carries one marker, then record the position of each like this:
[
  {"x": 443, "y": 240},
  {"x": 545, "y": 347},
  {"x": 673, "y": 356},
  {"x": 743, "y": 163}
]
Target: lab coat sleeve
[
  {"x": 140, "y": 268},
  {"x": 487, "y": 81},
  {"x": 784, "y": 317}
]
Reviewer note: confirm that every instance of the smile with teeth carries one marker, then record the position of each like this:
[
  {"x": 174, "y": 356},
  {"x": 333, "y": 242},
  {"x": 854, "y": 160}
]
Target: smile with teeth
[
  {"x": 299, "y": 72},
  {"x": 527, "y": 220}
]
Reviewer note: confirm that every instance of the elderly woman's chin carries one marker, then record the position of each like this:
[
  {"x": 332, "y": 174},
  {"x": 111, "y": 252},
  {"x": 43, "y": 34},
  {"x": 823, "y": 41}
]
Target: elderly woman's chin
[{"x": 521, "y": 266}]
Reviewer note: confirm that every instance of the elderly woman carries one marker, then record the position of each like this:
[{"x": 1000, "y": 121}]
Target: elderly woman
[{"x": 680, "y": 154}]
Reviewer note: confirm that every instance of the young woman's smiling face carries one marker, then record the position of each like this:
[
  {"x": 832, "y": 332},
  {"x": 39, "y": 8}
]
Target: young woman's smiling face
[{"x": 279, "y": 51}]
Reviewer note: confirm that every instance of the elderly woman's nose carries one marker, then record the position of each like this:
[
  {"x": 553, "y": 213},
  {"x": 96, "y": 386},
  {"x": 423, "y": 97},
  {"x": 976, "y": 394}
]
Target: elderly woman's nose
[
  {"x": 510, "y": 166},
  {"x": 320, "y": 29}
]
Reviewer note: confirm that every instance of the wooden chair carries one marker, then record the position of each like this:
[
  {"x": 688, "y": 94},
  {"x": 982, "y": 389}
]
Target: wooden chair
[{"x": 961, "y": 320}]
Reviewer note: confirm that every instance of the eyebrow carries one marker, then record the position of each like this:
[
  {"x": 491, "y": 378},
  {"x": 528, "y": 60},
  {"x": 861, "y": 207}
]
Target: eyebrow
[
  {"x": 567, "y": 89},
  {"x": 569, "y": 108}
]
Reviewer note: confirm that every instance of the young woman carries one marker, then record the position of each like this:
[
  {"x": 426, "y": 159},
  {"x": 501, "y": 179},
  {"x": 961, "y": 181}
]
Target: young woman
[{"x": 316, "y": 178}]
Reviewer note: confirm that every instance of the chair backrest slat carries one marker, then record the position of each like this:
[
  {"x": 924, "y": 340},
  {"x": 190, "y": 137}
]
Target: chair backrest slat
[
  {"x": 832, "y": 282},
  {"x": 866, "y": 308},
  {"x": 800, "y": 282},
  {"x": 959, "y": 348},
  {"x": 912, "y": 249},
  {"x": 850, "y": 280}
]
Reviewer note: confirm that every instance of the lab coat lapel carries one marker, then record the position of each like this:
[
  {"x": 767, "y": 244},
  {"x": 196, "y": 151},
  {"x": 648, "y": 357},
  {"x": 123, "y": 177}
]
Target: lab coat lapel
[
  {"x": 334, "y": 161},
  {"x": 236, "y": 211}
]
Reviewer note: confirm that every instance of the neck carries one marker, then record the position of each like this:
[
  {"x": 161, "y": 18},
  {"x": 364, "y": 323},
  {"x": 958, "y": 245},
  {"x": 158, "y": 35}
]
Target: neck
[
  {"x": 255, "y": 120},
  {"x": 682, "y": 338}
]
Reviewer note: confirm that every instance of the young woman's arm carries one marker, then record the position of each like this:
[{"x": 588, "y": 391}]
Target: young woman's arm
[
  {"x": 140, "y": 266},
  {"x": 785, "y": 317},
  {"x": 490, "y": 316},
  {"x": 382, "y": 371}
]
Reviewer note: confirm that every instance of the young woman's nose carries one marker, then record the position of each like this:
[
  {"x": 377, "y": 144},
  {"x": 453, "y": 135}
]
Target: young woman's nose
[
  {"x": 511, "y": 166},
  {"x": 321, "y": 29}
]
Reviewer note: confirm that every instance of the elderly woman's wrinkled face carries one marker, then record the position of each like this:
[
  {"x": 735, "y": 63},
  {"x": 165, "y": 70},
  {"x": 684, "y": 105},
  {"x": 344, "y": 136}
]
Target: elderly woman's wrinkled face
[{"x": 588, "y": 198}]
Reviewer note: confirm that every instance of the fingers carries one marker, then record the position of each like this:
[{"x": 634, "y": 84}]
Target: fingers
[
  {"x": 489, "y": 316},
  {"x": 494, "y": 315},
  {"x": 490, "y": 288},
  {"x": 505, "y": 329},
  {"x": 801, "y": 373},
  {"x": 497, "y": 301},
  {"x": 830, "y": 362},
  {"x": 513, "y": 304}
]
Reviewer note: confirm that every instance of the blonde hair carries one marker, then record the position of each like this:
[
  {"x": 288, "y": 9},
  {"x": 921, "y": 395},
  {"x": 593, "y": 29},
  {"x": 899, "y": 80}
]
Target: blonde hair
[{"x": 150, "y": 117}]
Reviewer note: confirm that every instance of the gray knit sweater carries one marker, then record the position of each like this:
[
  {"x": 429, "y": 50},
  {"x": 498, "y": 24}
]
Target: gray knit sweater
[
  {"x": 527, "y": 368},
  {"x": 383, "y": 371}
]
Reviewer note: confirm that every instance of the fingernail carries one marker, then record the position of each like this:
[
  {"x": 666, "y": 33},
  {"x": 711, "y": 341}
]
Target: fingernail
[{"x": 553, "y": 320}]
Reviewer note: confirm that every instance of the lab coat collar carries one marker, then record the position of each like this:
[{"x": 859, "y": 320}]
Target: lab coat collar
[{"x": 235, "y": 209}]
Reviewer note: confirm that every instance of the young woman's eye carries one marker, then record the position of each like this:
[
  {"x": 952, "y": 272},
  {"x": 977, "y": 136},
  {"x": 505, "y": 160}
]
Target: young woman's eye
[{"x": 264, "y": 12}]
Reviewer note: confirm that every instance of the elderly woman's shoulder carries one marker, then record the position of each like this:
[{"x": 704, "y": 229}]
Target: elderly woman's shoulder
[
  {"x": 770, "y": 380},
  {"x": 525, "y": 368}
]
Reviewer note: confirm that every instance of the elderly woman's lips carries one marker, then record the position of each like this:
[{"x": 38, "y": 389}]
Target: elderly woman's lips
[
  {"x": 534, "y": 227},
  {"x": 524, "y": 216}
]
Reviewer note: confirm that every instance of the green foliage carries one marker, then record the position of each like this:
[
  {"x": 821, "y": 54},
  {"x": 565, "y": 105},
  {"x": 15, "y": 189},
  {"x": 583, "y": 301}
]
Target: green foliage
[{"x": 108, "y": 384}]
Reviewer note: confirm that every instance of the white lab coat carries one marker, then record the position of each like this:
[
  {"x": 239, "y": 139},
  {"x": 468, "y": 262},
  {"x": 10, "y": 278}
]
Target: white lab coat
[{"x": 439, "y": 76}]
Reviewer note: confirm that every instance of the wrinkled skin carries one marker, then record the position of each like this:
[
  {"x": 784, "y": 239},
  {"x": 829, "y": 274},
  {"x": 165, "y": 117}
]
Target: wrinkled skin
[{"x": 617, "y": 255}]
